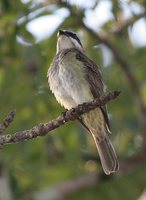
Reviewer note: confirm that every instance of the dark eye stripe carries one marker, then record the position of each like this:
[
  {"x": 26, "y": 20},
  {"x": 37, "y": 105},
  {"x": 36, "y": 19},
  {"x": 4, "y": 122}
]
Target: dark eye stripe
[{"x": 73, "y": 35}]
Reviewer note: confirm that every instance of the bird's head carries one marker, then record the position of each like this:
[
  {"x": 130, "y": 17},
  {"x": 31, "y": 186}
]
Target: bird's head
[{"x": 68, "y": 39}]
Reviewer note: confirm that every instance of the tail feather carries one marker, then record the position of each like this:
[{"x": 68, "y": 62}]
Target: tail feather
[{"x": 107, "y": 155}]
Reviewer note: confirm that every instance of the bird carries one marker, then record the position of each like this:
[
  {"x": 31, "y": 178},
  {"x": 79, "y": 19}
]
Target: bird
[{"x": 74, "y": 79}]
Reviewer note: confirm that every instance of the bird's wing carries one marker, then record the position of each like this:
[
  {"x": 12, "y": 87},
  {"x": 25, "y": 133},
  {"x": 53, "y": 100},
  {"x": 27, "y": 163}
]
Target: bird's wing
[{"x": 94, "y": 78}]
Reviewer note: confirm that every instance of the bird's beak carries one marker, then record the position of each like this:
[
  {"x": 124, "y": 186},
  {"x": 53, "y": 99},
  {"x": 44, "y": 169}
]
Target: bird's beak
[{"x": 61, "y": 32}]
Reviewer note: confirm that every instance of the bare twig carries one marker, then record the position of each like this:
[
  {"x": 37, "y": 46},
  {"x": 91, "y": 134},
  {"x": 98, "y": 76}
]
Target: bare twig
[
  {"x": 6, "y": 122},
  {"x": 43, "y": 129}
]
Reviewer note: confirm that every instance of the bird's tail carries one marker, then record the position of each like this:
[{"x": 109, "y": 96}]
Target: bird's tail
[{"x": 107, "y": 155}]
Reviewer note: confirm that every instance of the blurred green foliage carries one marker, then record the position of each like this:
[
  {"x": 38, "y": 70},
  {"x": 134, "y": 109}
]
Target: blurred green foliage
[{"x": 63, "y": 154}]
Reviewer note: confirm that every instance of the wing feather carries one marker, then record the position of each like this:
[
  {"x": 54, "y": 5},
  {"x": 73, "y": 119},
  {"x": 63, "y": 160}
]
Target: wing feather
[{"x": 94, "y": 78}]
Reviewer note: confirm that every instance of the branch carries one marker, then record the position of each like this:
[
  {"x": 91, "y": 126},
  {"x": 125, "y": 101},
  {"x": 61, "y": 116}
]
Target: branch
[
  {"x": 143, "y": 195},
  {"x": 5, "y": 189},
  {"x": 127, "y": 69},
  {"x": 43, "y": 129},
  {"x": 67, "y": 188},
  {"x": 121, "y": 25},
  {"x": 6, "y": 122},
  {"x": 125, "y": 66}
]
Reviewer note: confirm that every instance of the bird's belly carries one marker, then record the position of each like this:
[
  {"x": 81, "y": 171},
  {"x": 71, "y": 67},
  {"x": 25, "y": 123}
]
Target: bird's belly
[{"x": 71, "y": 88}]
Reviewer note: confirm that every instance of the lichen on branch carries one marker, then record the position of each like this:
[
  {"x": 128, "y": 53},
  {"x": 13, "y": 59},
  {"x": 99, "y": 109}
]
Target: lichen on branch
[{"x": 44, "y": 128}]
